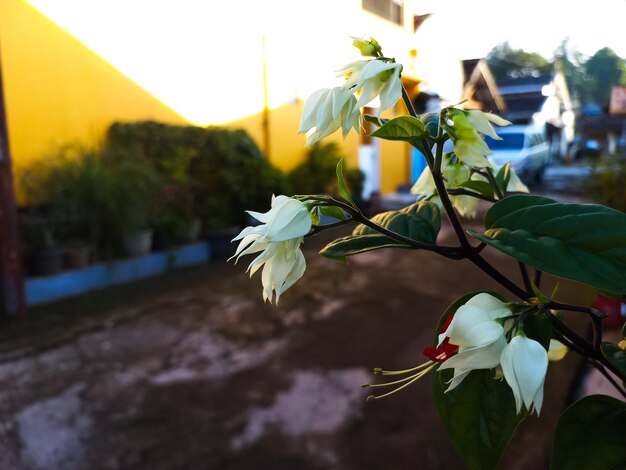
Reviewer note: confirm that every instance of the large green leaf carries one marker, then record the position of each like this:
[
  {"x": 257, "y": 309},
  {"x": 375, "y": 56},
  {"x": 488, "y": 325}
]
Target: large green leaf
[
  {"x": 479, "y": 414},
  {"x": 591, "y": 435},
  {"x": 582, "y": 242},
  {"x": 406, "y": 128},
  {"x": 420, "y": 221},
  {"x": 615, "y": 355}
]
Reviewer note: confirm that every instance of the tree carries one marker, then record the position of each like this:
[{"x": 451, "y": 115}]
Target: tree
[
  {"x": 506, "y": 62},
  {"x": 604, "y": 70}
]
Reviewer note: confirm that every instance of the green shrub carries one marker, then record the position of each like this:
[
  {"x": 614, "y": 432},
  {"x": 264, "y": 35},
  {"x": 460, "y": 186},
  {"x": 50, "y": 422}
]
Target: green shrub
[
  {"x": 93, "y": 196},
  {"x": 222, "y": 172},
  {"x": 606, "y": 185},
  {"x": 317, "y": 174}
]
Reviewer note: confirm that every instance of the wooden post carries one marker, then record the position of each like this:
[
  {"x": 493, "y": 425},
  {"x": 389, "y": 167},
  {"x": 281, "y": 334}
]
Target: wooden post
[{"x": 12, "y": 303}]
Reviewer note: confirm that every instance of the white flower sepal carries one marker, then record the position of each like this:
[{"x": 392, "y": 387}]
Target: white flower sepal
[
  {"x": 374, "y": 78},
  {"x": 287, "y": 218},
  {"x": 481, "y": 122},
  {"x": 327, "y": 110},
  {"x": 524, "y": 365},
  {"x": 469, "y": 146}
]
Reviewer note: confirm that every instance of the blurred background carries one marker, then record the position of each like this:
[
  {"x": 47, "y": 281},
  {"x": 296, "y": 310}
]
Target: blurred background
[{"x": 134, "y": 135}]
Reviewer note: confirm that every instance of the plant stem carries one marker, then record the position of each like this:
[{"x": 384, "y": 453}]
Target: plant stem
[
  {"x": 473, "y": 255},
  {"x": 525, "y": 278},
  {"x": 320, "y": 228},
  {"x": 494, "y": 183}
]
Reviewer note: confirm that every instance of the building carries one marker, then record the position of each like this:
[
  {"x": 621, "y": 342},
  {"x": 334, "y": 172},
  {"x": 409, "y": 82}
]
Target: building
[
  {"x": 72, "y": 68},
  {"x": 542, "y": 100}
]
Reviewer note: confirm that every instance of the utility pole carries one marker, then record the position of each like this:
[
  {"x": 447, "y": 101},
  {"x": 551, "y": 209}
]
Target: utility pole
[{"x": 12, "y": 303}]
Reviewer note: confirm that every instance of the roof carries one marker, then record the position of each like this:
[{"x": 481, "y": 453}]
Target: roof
[{"x": 479, "y": 87}]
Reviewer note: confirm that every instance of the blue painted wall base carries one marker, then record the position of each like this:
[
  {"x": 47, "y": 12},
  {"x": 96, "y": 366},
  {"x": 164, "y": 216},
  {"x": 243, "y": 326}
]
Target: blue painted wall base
[{"x": 41, "y": 290}]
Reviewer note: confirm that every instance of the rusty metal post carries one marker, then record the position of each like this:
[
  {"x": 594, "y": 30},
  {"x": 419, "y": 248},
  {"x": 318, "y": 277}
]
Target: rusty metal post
[{"x": 12, "y": 302}]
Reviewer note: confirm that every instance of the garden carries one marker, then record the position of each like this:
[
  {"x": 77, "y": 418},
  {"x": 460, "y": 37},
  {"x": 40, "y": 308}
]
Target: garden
[{"x": 153, "y": 187}]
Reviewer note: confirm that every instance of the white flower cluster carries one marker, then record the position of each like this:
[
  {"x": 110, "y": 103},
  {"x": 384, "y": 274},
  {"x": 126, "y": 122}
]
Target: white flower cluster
[
  {"x": 465, "y": 132},
  {"x": 329, "y": 109},
  {"x": 456, "y": 173},
  {"x": 278, "y": 238},
  {"x": 480, "y": 329}
]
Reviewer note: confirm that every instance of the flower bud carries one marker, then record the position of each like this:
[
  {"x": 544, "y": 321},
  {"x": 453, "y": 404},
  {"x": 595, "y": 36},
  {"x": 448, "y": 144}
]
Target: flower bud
[{"x": 368, "y": 48}]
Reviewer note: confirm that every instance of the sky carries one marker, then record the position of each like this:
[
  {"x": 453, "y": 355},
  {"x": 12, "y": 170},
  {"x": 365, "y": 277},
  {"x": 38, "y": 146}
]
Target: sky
[
  {"x": 535, "y": 25},
  {"x": 173, "y": 49}
]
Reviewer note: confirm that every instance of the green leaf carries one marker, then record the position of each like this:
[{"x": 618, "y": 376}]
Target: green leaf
[
  {"x": 512, "y": 204},
  {"x": 503, "y": 176},
  {"x": 478, "y": 415},
  {"x": 315, "y": 216},
  {"x": 582, "y": 242},
  {"x": 540, "y": 295},
  {"x": 615, "y": 356},
  {"x": 375, "y": 119},
  {"x": 420, "y": 221},
  {"x": 406, "y": 128},
  {"x": 347, "y": 246},
  {"x": 481, "y": 187},
  {"x": 431, "y": 123},
  {"x": 590, "y": 435},
  {"x": 538, "y": 326},
  {"x": 341, "y": 182},
  {"x": 333, "y": 211}
]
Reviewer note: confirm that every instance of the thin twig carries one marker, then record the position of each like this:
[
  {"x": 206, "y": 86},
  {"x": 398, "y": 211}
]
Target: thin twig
[{"x": 525, "y": 278}]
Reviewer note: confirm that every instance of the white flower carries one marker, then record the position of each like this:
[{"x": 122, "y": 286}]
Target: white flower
[
  {"x": 481, "y": 122},
  {"x": 278, "y": 239},
  {"x": 469, "y": 146},
  {"x": 480, "y": 337},
  {"x": 374, "y": 78},
  {"x": 455, "y": 174},
  {"x": 524, "y": 364},
  {"x": 283, "y": 264},
  {"x": 326, "y": 111}
]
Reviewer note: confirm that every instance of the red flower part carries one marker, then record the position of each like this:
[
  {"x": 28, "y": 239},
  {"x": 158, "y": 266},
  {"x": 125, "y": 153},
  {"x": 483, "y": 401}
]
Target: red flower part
[
  {"x": 445, "y": 349},
  {"x": 441, "y": 352},
  {"x": 446, "y": 323}
]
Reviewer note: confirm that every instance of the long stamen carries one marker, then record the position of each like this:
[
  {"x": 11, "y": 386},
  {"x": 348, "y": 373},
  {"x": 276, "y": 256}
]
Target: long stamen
[
  {"x": 412, "y": 379},
  {"x": 379, "y": 371},
  {"x": 387, "y": 384}
]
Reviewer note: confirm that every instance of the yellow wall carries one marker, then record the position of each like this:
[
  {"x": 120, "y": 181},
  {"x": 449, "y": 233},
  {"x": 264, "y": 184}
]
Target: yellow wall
[
  {"x": 286, "y": 146},
  {"x": 57, "y": 91}
]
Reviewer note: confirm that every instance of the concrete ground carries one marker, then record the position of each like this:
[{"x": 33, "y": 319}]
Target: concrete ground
[{"x": 193, "y": 371}]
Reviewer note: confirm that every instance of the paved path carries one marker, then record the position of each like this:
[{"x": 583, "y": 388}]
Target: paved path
[{"x": 193, "y": 371}]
